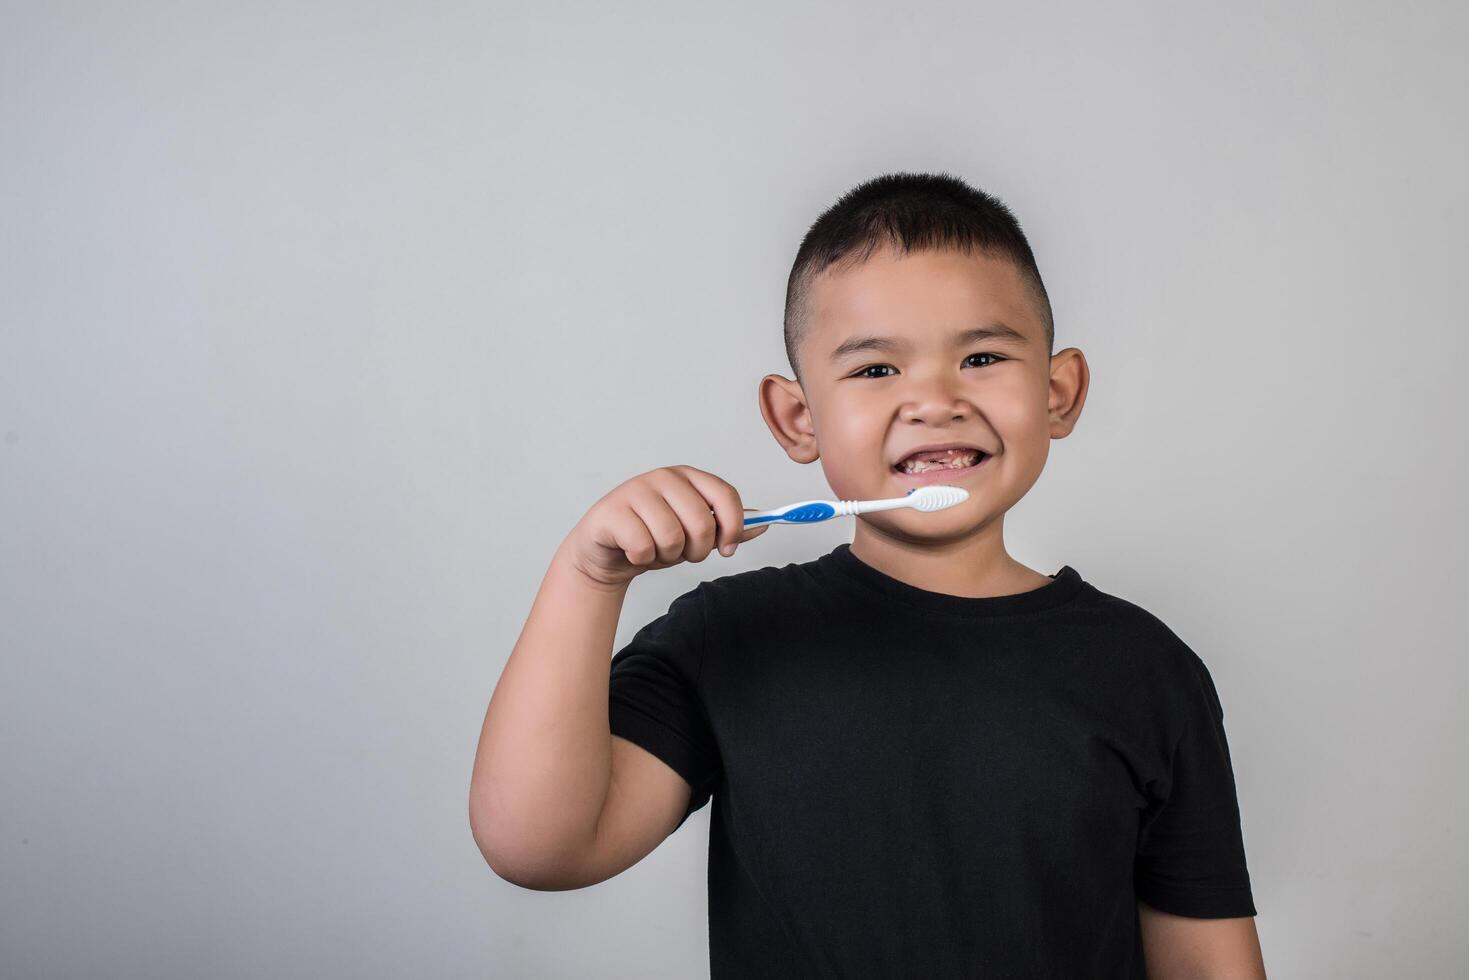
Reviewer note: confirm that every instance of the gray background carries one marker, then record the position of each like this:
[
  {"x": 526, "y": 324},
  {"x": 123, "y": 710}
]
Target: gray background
[{"x": 321, "y": 325}]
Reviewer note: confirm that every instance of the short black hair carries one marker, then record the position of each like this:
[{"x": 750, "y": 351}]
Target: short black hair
[{"x": 909, "y": 212}]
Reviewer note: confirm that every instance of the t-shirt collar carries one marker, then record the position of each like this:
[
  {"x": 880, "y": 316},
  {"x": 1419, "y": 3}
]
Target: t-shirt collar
[{"x": 1064, "y": 586}]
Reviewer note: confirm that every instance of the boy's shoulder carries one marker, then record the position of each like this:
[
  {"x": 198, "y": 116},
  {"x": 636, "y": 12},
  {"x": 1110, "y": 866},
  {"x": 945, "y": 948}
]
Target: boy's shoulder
[
  {"x": 1156, "y": 651},
  {"x": 762, "y": 579}
]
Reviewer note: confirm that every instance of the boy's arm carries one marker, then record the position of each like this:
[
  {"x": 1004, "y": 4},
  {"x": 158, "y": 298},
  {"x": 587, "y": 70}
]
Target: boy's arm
[
  {"x": 1177, "y": 947},
  {"x": 556, "y": 801}
]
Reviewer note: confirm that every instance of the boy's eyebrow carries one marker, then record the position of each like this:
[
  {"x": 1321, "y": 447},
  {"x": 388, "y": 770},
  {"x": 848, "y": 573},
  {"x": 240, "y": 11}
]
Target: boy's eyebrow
[{"x": 995, "y": 331}]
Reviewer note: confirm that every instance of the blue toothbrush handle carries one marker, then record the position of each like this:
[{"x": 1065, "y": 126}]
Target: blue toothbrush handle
[{"x": 805, "y": 512}]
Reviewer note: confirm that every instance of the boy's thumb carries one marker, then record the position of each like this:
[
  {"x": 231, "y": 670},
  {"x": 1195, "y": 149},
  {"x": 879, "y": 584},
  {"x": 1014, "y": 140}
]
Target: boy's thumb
[{"x": 753, "y": 532}]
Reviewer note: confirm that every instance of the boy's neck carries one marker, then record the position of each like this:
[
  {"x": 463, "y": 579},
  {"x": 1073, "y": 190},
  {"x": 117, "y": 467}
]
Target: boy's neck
[{"x": 974, "y": 567}]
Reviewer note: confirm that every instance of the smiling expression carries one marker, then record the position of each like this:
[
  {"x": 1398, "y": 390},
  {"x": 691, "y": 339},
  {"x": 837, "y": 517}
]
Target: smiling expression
[{"x": 926, "y": 349}]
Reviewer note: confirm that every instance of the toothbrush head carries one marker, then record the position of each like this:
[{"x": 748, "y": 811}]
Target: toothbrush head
[{"x": 936, "y": 496}]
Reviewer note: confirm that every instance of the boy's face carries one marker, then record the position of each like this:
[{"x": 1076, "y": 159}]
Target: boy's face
[{"x": 862, "y": 408}]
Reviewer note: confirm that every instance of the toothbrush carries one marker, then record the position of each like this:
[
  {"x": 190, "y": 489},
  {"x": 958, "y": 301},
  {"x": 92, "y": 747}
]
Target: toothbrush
[{"x": 935, "y": 496}]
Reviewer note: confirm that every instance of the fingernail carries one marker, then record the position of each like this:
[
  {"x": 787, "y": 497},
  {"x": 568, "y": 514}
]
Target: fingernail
[{"x": 726, "y": 550}]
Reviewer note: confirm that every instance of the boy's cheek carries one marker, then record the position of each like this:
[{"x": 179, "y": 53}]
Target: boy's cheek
[{"x": 847, "y": 482}]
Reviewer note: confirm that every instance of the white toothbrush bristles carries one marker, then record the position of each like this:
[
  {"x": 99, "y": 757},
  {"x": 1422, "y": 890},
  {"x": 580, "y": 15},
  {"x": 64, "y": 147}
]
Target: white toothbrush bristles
[{"x": 935, "y": 496}]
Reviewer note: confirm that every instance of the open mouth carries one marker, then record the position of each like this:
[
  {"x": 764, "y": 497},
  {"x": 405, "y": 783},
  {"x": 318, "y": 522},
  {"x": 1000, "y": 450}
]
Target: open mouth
[{"x": 940, "y": 467}]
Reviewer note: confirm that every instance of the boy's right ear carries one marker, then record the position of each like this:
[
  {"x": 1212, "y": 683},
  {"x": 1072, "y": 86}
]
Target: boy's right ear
[{"x": 788, "y": 416}]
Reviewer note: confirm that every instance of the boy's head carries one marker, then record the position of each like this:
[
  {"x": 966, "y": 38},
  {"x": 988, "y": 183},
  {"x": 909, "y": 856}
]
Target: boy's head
[{"x": 916, "y": 315}]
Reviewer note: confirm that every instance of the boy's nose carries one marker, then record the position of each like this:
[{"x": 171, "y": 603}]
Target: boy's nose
[{"x": 935, "y": 406}]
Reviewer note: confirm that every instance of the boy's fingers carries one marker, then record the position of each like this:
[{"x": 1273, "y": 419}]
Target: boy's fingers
[
  {"x": 723, "y": 501},
  {"x": 743, "y": 535},
  {"x": 753, "y": 531}
]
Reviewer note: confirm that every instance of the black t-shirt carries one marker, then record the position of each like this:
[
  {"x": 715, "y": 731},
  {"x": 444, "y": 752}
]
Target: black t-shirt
[{"x": 914, "y": 784}]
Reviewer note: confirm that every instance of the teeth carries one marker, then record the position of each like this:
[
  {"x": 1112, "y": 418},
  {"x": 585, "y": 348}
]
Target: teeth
[{"x": 958, "y": 459}]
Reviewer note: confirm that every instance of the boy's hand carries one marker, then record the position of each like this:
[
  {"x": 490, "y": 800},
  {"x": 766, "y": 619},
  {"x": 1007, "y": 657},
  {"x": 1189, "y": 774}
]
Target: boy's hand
[{"x": 655, "y": 520}]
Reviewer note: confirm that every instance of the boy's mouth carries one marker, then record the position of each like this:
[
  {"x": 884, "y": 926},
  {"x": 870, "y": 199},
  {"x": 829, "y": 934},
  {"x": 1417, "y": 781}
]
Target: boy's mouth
[{"x": 939, "y": 466}]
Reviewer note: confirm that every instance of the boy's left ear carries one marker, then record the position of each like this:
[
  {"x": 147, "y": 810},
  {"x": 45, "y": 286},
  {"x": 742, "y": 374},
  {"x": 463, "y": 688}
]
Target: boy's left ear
[
  {"x": 1070, "y": 379},
  {"x": 783, "y": 405}
]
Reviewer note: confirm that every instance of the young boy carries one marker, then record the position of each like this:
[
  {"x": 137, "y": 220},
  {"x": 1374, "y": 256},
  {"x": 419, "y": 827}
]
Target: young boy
[{"x": 926, "y": 759}]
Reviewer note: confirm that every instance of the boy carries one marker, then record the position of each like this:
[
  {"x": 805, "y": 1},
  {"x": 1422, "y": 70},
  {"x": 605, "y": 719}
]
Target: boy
[{"x": 926, "y": 759}]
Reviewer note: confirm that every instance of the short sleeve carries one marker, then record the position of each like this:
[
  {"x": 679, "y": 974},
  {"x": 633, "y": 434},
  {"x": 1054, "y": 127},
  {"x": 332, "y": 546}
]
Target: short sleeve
[
  {"x": 653, "y": 697},
  {"x": 1191, "y": 857}
]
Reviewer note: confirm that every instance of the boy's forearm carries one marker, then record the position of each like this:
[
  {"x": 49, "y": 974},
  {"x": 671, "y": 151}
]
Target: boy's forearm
[{"x": 544, "y": 762}]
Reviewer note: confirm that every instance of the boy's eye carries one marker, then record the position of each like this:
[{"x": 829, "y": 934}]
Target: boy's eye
[{"x": 863, "y": 373}]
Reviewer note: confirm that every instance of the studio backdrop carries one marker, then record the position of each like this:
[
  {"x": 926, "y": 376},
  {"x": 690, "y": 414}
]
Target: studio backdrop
[{"x": 322, "y": 324}]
